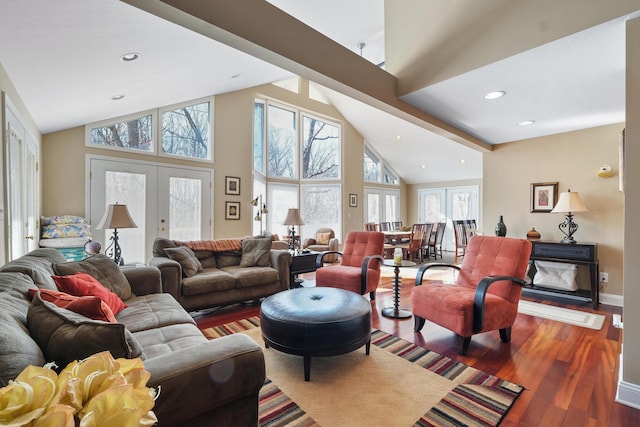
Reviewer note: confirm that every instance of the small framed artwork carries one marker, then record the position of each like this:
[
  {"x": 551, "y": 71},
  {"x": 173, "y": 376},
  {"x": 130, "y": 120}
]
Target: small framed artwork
[
  {"x": 232, "y": 210},
  {"x": 353, "y": 200},
  {"x": 544, "y": 196},
  {"x": 232, "y": 185}
]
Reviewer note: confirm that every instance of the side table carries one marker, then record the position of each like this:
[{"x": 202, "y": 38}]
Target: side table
[
  {"x": 301, "y": 262},
  {"x": 396, "y": 312}
]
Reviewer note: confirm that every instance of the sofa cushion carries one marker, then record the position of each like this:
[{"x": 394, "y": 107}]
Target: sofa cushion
[
  {"x": 207, "y": 258},
  {"x": 153, "y": 311},
  {"x": 65, "y": 336},
  {"x": 166, "y": 340},
  {"x": 228, "y": 258},
  {"x": 208, "y": 280},
  {"x": 83, "y": 284},
  {"x": 252, "y": 276},
  {"x": 90, "y": 306},
  {"x": 102, "y": 268},
  {"x": 256, "y": 253},
  {"x": 17, "y": 347},
  {"x": 37, "y": 264},
  {"x": 188, "y": 261}
]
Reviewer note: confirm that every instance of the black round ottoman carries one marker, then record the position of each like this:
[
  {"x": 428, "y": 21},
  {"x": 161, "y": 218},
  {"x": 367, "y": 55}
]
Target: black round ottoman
[{"x": 312, "y": 322}]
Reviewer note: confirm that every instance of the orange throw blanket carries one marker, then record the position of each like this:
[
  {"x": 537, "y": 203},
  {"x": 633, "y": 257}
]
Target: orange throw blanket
[{"x": 213, "y": 245}]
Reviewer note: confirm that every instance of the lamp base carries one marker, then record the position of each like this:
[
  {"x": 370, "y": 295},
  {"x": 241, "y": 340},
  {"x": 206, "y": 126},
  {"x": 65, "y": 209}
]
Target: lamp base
[{"x": 569, "y": 240}]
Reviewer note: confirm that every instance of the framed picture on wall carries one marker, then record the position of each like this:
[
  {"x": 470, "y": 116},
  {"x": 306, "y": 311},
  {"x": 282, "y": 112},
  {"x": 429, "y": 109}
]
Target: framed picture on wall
[
  {"x": 544, "y": 196},
  {"x": 232, "y": 185},
  {"x": 232, "y": 210},
  {"x": 353, "y": 200}
]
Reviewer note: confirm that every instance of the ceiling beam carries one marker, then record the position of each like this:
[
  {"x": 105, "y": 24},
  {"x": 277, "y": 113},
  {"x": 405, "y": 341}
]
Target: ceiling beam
[{"x": 262, "y": 30}]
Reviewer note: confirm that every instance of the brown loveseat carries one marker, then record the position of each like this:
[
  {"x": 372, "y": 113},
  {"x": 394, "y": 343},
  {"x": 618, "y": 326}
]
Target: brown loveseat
[
  {"x": 205, "y": 274},
  {"x": 198, "y": 385}
]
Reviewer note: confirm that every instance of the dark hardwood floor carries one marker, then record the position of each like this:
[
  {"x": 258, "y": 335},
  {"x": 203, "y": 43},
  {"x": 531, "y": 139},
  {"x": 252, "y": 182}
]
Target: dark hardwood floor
[{"x": 569, "y": 373}]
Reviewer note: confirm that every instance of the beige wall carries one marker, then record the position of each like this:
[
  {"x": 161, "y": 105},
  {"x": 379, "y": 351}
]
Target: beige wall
[
  {"x": 571, "y": 159},
  {"x": 64, "y": 153}
]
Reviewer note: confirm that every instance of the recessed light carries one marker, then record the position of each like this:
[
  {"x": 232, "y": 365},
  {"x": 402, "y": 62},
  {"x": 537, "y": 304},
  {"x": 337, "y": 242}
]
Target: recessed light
[
  {"x": 117, "y": 97},
  {"x": 423, "y": 166},
  {"x": 463, "y": 161},
  {"x": 398, "y": 137},
  {"x": 495, "y": 94},
  {"x": 131, "y": 56},
  {"x": 526, "y": 122}
]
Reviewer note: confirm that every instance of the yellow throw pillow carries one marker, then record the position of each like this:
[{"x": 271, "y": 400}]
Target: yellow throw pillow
[{"x": 323, "y": 238}]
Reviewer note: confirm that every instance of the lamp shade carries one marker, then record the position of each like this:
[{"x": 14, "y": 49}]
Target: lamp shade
[
  {"x": 116, "y": 216},
  {"x": 569, "y": 202},
  {"x": 293, "y": 217}
]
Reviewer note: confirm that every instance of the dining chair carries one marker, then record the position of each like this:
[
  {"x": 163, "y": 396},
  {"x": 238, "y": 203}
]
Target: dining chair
[
  {"x": 372, "y": 226},
  {"x": 435, "y": 244},
  {"x": 460, "y": 234},
  {"x": 396, "y": 225},
  {"x": 385, "y": 226},
  {"x": 419, "y": 233},
  {"x": 485, "y": 294}
]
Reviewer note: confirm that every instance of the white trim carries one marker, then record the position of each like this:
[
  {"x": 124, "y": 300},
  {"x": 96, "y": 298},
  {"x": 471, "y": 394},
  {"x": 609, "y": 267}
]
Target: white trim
[
  {"x": 627, "y": 393},
  {"x": 611, "y": 299}
]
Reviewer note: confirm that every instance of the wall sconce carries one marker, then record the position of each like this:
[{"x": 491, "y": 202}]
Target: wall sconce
[
  {"x": 568, "y": 203},
  {"x": 261, "y": 212},
  {"x": 605, "y": 171},
  {"x": 116, "y": 216}
]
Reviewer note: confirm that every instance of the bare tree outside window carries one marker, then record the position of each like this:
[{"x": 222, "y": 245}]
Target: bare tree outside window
[
  {"x": 281, "y": 142},
  {"x": 186, "y": 130},
  {"x": 320, "y": 149},
  {"x": 135, "y": 134},
  {"x": 371, "y": 167}
]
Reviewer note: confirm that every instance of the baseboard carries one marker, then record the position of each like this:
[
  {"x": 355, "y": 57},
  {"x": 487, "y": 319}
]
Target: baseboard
[
  {"x": 628, "y": 393},
  {"x": 611, "y": 299}
]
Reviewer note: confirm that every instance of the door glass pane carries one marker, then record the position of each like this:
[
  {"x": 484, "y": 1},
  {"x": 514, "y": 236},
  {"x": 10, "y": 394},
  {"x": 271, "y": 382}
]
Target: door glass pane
[
  {"x": 433, "y": 210},
  {"x": 461, "y": 205},
  {"x": 185, "y": 207},
  {"x": 390, "y": 207},
  {"x": 373, "y": 207},
  {"x": 129, "y": 189}
]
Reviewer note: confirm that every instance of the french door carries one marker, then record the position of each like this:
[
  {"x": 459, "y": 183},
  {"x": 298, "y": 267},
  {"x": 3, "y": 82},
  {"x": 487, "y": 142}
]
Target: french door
[
  {"x": 163, "y": 201},
  {"x": 448, "y": 204},
  {"x": 381, "y": 205},
  {"x": 22, "y": 154}
]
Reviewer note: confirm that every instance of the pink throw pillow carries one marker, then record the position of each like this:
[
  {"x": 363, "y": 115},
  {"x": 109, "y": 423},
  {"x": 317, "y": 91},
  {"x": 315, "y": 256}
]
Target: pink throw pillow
[
  {"x": 83, "y": 284},
  {"x": 89, "y": 306}
]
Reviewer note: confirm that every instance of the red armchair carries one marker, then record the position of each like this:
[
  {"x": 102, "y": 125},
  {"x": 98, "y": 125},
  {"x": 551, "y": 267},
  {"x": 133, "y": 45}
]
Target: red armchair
[
  {"x": 359, "y": 267},
  {"x": 485, "y": 295}
]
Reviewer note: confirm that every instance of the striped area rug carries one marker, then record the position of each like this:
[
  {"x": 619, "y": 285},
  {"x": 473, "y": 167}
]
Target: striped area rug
[{"x": 479, "y": 399}]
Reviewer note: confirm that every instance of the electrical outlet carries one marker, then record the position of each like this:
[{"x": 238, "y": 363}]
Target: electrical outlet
[{"x": 604, "y": 277}]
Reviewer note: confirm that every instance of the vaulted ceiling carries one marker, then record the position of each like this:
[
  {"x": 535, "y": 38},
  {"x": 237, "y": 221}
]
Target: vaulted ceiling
[{"x": 409, "y": 75}]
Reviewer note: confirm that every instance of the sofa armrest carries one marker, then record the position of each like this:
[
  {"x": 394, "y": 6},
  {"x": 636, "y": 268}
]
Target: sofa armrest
[
  {"x": 201, "y": 378},
  {"x": 143, "y": 280},
  {"x": 171, "y": 275},
  {"x": 281, "y": 261}
]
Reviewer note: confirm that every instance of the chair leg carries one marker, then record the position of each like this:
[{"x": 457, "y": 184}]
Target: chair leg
[
  {"x": 372, "y": 295},
  {"x": 418, "y": 323},
  {"x": 463, "y": 344},
  {"x": 505, "y": 334}
]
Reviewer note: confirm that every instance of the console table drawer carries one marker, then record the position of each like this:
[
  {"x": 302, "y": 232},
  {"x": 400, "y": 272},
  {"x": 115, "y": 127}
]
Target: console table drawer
[{"x": 572, "y": 252}]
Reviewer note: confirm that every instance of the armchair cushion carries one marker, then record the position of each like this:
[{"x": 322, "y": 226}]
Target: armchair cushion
[{"x": 323, "y": 238}]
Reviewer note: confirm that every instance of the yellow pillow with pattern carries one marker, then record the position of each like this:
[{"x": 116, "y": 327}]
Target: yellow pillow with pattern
[{"x": 323, "y": 238}]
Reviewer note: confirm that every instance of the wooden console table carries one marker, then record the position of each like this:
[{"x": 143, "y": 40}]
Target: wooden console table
[{"x": 578, "y": 253}]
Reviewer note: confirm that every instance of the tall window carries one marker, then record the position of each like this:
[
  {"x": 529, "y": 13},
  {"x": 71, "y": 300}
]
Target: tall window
[
  {"x": 320, "y": 149},
  {"x": 371, "y": 166},
  {"x": 285, "y": 137},
  {"x": 281, "y": 142}
]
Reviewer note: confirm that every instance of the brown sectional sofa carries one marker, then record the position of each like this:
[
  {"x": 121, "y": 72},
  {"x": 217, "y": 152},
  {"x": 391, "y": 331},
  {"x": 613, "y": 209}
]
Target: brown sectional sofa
[
  {"x": 223, "y": 278},
  {"x": 198, "y": 388}
]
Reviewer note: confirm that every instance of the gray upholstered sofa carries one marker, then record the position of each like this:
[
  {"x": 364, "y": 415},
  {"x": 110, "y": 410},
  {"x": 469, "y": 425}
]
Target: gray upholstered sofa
[
  {"x": 202, "y": 382},
  {"x": 227, "y": 271}
]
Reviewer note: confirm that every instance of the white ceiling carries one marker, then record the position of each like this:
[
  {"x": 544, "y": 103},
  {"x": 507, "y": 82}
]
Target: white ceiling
[{"x": 63, "y": 58}]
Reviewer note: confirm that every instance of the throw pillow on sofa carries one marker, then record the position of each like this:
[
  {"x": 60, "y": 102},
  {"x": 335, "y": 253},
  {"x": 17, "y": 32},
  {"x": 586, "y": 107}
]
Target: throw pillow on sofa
[
  {"x": 188, "y": 261},
  {"x": 90, "y": 306},
  {"x": 256, "y": 253},
  {"x": 102, "y": 268},
  {"x": 65, "y": 336},
  {"x": 83, "y": 284}
]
